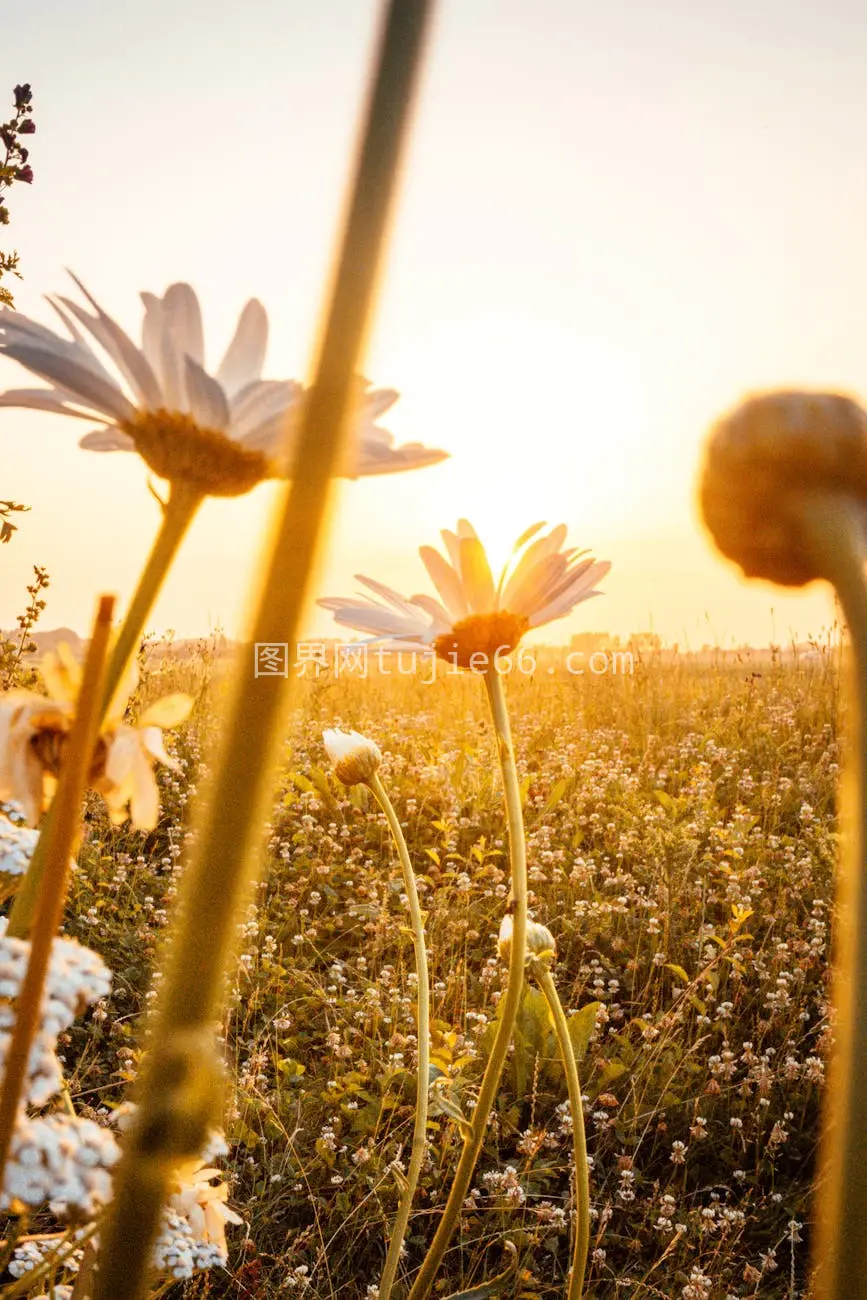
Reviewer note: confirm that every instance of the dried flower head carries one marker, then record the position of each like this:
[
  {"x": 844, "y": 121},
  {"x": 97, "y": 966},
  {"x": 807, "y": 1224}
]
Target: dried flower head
[{"x": 763, "y": 456}]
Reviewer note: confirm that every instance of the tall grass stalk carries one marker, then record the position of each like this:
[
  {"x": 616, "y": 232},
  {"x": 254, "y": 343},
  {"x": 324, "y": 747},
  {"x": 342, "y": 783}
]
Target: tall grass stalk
[{"x": 178, "y": 1084}]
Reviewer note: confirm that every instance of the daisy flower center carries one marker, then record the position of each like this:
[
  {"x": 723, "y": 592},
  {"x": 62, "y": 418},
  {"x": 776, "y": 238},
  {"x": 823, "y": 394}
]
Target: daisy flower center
[
  {"x": 176, "y": 447},
  {"x": 481, "y": 634},
  {"x": 49, "y": 744}
]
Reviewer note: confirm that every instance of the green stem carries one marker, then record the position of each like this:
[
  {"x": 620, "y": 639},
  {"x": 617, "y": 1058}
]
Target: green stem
[
  {"x": 178, "y": 1087},
  {"x": 508, "y": 1010},
  {"x": 540, "y": 972},
  {"x": 834, "y": 529},
  {"x": 419, "y": 1135},
  {"x": 178, "y": 514}
]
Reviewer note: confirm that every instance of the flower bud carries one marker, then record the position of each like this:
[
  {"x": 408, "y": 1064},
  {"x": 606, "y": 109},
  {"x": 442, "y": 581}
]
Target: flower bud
[
  {"x": 540, "y": 940},
  {"x": 763, "y": 456},
  {"x": 355, "y": 758}
]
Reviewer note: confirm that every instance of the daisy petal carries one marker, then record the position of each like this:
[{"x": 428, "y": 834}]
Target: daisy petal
[
  {"x": 170, "y": 711},
  {"x": 183, "y": 318},
  {"x": 446, "y": 581},
  {"x": 208, "y": 405},
  {"x": 43, "y": 399},
  {"x": 476, "y": 578},
  {"x": 132, "y": 364},
  {"x": 106, "y": 439},
  {"x": 245, "y": 355},
  {"x": 100, "y": 393}
]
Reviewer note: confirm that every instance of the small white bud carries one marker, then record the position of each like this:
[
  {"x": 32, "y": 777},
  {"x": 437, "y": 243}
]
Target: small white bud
[
  {"x": 540, "y": 940},
  {"x": 355, "y": 759}
]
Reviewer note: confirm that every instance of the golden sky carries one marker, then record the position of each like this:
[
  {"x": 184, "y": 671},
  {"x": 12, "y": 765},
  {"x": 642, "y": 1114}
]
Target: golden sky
[{"x": 616, "y": 219}]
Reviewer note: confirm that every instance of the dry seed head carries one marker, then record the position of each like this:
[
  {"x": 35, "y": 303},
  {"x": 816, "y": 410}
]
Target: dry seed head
[{"x": 763, "y": 456}]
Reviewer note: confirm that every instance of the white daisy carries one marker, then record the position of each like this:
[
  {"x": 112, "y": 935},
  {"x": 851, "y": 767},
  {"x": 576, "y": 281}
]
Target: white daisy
[
  {"x": 219, "y": 434},
  {"x": 541, "y": 583}
]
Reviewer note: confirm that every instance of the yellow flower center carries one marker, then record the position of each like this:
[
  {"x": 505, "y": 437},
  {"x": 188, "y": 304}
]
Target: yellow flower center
[
  {"x": 177, "y": 448},
  {"x": 481, "y": 634}
]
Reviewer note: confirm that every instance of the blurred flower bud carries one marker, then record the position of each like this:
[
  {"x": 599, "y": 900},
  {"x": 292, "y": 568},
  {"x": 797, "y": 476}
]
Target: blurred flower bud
[
  {"x": 23, "y": 95},
  {"x": 27, "y": 127},
  {"x": 355, "y": 758},
  {"x": 763, "y": 456},
  {"x": 24, "y": 174},
  {"x": 540, "y": 940}
]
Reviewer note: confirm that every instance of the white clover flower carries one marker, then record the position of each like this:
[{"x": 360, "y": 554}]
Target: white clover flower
[
  {"x": 59, "y": 1160},
  {"x": 475, "y": 615},
  {"x": 355, "y": 758},
  {"x": 16, "y": 847},
  {"x": 217, "y": 434}
]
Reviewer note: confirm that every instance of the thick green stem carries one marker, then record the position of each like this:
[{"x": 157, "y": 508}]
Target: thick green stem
[
  {"x": 541, "y": 973},
  {"x": 178, "y": 1086},
  {"x": 419, "y": 1134},
  {"x": 835, "y": 532},
  {"x": 178, "y": 514},
  {"x": 508, "y": 1011}
]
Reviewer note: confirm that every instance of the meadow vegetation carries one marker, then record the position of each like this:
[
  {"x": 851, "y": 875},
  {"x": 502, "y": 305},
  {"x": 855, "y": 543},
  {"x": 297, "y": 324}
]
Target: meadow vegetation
[{"x": 681, "y": 842}]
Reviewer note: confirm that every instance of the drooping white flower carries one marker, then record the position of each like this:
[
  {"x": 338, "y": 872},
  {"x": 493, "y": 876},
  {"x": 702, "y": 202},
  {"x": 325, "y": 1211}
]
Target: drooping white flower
[
  {"x": 355, "y": 758},
  {"x": 540, "y": 940},
  {"x": 474, "y": 615},
  {"x": 219, "y": 434}
]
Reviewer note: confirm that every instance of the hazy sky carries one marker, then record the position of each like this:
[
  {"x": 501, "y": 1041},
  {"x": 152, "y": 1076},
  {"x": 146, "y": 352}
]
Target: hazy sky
[{"x": 615, "y": 220}]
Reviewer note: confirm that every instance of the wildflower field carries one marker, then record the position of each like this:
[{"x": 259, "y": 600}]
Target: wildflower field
[{"x": 681, "y": 837}]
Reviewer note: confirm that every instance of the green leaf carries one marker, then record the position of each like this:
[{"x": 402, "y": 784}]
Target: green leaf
[
  {"x": 557, "y": 791},
  {"x": 581, "y": 1027},
  {"x": 678, "y": 971},
  {"x": 323, "y": 785}
]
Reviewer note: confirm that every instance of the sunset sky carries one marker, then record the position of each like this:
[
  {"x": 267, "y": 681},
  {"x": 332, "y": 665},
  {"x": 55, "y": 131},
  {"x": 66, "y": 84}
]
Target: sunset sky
[{"x": 615, "y": 220}]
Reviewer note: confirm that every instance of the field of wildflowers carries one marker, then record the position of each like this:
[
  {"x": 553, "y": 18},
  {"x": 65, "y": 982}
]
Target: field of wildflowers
[
  {"x": 680, "y": 843},
  {"x": 533, "y": 997}
]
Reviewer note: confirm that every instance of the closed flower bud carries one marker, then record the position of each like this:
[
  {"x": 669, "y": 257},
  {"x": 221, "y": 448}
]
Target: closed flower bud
[
  {"x": 24, "y": 174},
  {"x": 355, "y": 758},
  {"x": 771, "y": 450},
  {"x": 540, "y": 940},
  {"x": 27, "y": 127}
]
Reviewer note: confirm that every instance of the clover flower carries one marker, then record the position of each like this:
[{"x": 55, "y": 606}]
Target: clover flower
[
  {"x": 16, "y": 849},
  {"x": 475, "y": 615},
  {"x": 77, "y": 977},
  {"x": 59, "y": 1160},
  {"x": 217, "y": 434}
]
